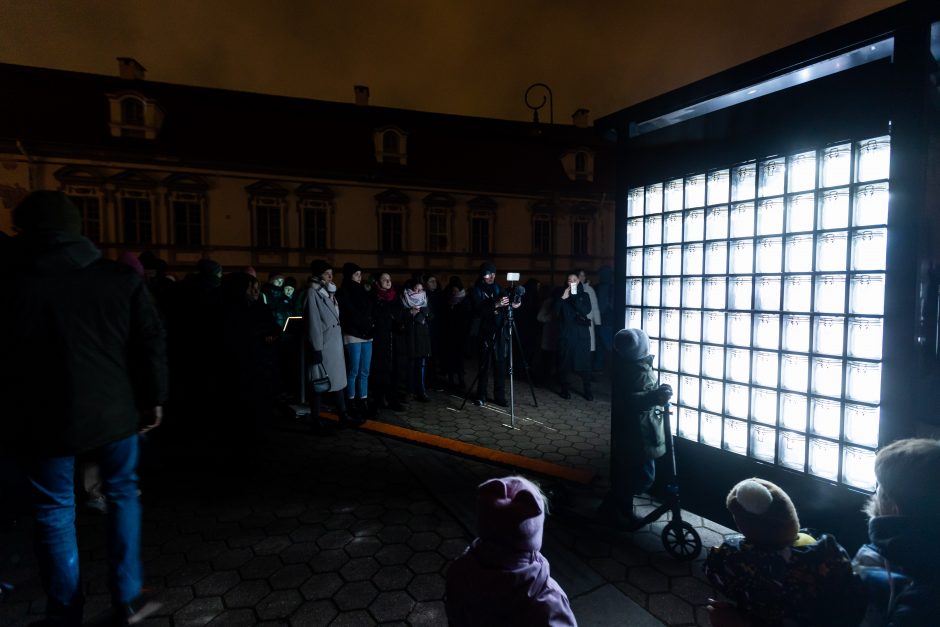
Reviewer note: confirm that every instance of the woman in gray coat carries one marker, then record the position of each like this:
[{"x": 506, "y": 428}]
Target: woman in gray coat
[{"x": 325, "y": 340}]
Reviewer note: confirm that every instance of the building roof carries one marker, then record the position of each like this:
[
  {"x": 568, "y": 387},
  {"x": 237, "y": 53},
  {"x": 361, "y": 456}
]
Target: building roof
[{"x": 63, "y": 113}]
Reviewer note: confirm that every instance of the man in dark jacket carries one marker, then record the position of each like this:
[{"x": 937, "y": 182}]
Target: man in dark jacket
[
  {"x": 490, "y": 326},
  {"x": 83, "y": 373}
]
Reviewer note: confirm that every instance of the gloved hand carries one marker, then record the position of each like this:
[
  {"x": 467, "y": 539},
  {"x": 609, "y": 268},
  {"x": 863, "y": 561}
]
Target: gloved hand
[
  {"x": 663, "y": 394},
  {"x": 316, "y": 357}
]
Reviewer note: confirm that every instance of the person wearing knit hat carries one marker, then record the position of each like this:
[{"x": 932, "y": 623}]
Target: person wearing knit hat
[
  {"x": 637, "y": 435},
  {"x": 775, "y": 573},
  {"x": 47, "y": 210},
  {"x": 502, "y": 578},
  {"x": 131, "y": 261}
]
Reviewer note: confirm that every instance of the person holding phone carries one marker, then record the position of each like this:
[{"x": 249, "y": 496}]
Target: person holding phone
[
  {"x": 573, "y": 310},
  {"x": 489, "y": 303}
]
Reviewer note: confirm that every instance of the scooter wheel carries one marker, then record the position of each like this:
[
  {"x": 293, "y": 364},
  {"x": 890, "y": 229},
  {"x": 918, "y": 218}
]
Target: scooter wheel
[{"x": 682, "y": 540}]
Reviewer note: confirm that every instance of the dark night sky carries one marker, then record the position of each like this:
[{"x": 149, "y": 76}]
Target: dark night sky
[{"x": 467, "y": 57}]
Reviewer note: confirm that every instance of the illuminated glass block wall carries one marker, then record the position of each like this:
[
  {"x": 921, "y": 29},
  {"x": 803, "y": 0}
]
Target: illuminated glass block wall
[{"x": 761, "y": 286}]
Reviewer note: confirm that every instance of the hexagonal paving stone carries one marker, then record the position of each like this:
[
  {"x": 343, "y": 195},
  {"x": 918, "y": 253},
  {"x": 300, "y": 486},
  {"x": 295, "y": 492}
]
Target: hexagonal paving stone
[
  {"x": 426, "y": 562},
  {"x": 299, "y": 553},
  {"x": 424, "y": 541},
  {"x": 217, "y": 583},
  {"x": 307, "y": 533},
  {"x": 289, "y": 577},
  {"x": 339, "y": 521},
  {"x": 314, "y": 614},
  {"x": 172, "y": 599},
  {"x": 394, "y": 554},
  {"x": 429, "y": 614},
  {"x": 359, "y": 569},
  {"x": 355, "y": 596},
  {"x": 366, "y": 528},
  {"x": 609, "y": 568},
  {"x": 260, "y": 567},
  {"x": 198, "y": 612},
  {"x": 670, "y": 609},
  {"x": 648, "y": 579},
  {"x": 231, "y": 559},
  {"x": 392, "y": 577},
  {"x": 390, "y": 606},
  {"x": 326, "y": 561},
  {"x": 279, "y": 604},
  {"x": 358, "y": 618},
  {"x": 247, "y": 593},
  {"x": 427, "y": 587},
  {"x": 363, "y": 546},
  {"x": 272, "y": 545},
  {"x": 233, "y": 618},
  {"x": 335, "y": 539},
  {"x": 692, "y": 590},
  {"x": 321, "y": 586},
  {"x": 186, "y": 575},
  {"x": 453, "y": 548}
]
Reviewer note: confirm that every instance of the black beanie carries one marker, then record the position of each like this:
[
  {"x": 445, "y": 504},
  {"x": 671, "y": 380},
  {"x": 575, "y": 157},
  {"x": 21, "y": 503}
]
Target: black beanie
[
  {"x": 487, "y": 267},
  {"x": 349, "y": 269},
  {"x": 47, "y": 210},
  {"x": 319, "y": 266}
]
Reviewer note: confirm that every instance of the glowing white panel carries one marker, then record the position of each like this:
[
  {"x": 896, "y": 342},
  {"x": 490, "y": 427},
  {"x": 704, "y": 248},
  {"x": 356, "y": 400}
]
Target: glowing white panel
[
  {"x": 651, "y": 322},
  {"x": 769, "y": 257},
  {"x": 735, "y": 436},
  {"x": 654, "y": 199},
  {"x": 764, "y": 406},
  {"x": 738, "y": 367},
  {"x": 767, "y": 331},
  {"x": 871, "y": 205},
  {"x": 672, "y": 291},
  {"x": 773, "y": 175},
  {"x": 831, "y": 251},
  {"x": 797, "y": 291},
  {"x": 688, "y": 423},
  {"x": 673, "y": 195},
  {"x": 798, "y": 253},
  {"x": 692, "y": 292},
  {"x": 672, "y": 229},
  {"x": 635, "y": 262},
  {"x": 633, "y": 319},
  {"x": 874, "y": 159},
  {"x": 867, "y": 294},
  {"x": 863, "y": 382},
  {"x": 830, "y": 293},
  {"x": 793, "y": 411},
  {"x": 858, "y": 468},
  {"x": 837, "y": 166},
  {"x": 796, "y": 333},
  {"x": 802, "y": 172},
  {"x": 865, "y": 338},
  {"x": 800, "y": 211},
  {"x": 634, "y": 291},
  {"x": 669, "y": 359},
  {"x": 712, "y": 395},
  {"x": 743, "y": 181},
  {"x": 695, "y": 191},
  {"x": 635, "y": 232},
  {"x": 711, "y": 429},
  {"x": 792, "y": 452},
  {"x": 763, "y": 441},
  {"x": 716, "y": 257},
  {"x": 652, "y": 260},
  {"x": 672, "y": 260},
  {"x": 713, "y": 361},
  {"x": 736, "y": 400},
  {"x": 739, "y": 329},
  {"x": 651, "y": 295},
  {"x": 718, "y": 187},
  {"x": 742, "y": 220},
  {"x": 739, "y": 294},
  {"x": 653, "y": 230},
  {"x": 765, "y": 368},
  {"x": 742, "y": 257},
  {"x": 692, "y": 259},
  {"x": 767, "y": 293},
  {"x": 827, "y": 376},
  {"x": 868, "y": 249},
  {"x": 670, "y": 324},
  {"x": 770, "y": 216},
  {"x": 828, "y": 332},
  {"x": 716, "y": 223},
  {"x": 688, "y": 391},
  {"x": 690, "y": 358},
  {"x": 834, "y": 209},
  {"x": 692, "y": 326},
  {"x": 794, "y": 372},
  {"x": 695, "y": 225},
  {"x": 824, "y": 459},
  {"x": 862, "y": 424},
  {"x": 715, "y": 289},
  {"x": 635, "y": 202},
  {"x": 825, "y": 417},
  {"x": 714, "y": 327}
]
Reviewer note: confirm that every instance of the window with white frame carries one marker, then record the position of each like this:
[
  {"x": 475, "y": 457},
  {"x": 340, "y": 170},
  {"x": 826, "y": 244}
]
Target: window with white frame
[
  {"x": 391, "y": 145},
  {"x": 88, "y": 201},
  {"x": 136, "y": 216},
  {"x": 268, "y": 214},
  {"x": 391, "y": 227},
  {"x": 187, "y": 211},
  {"x": 134, "y": 115},
  {"x": 761, "y": 285},
  {"x": 438, "y": 229},
  {"x": 542, "y": 234},
  {"x": 316, "y": 226}
]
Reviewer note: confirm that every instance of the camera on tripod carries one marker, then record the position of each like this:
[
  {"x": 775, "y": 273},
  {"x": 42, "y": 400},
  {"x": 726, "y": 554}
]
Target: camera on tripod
[{"x": 517, "y": 291}]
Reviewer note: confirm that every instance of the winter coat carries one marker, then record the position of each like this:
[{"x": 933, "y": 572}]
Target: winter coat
[
  {"x": 355, "y": 310},
  {"x": 574, "y": 341},
  {"x": 486, "y": 317},
  {"x": 490, "y": 585},
  {"x": 82, "y": 349},
  {"x": 321, "y": 321},
  {"x": 279, "y": 304},
  {"x": 416, "y": 334},
  {"x": 903, "y": 555},
  {"x": 636, "y": 421},
  {"x": 386, "y": 315},
  {"x": 595, "y": 315}
]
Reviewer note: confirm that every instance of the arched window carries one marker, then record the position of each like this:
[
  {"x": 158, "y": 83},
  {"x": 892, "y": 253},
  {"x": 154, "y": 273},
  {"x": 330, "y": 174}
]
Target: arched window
[{"x": 132, "y": 112}]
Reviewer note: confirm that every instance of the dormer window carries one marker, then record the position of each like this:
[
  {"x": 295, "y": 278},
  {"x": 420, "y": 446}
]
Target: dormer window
[
  {"x": 134, "y": 115},
  {"x": 391, "y": 145},
  {"x": 579, "y": 164}
]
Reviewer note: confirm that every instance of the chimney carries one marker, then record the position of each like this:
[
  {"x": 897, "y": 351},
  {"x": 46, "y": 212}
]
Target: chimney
[
  {"x": 581, "y": 118},
  {"x": 130, "y": 68},
  {"x": 362, "y": 94}
]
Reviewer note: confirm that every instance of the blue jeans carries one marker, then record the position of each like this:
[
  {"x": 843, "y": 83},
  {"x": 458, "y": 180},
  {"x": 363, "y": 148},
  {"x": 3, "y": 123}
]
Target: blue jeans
[
  {"x": 53, "y": 494},
  {"x": 358, "y": 360},
  {"x": 416, "y": 378}
]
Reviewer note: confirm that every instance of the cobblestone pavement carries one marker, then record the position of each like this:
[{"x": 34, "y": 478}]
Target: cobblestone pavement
[{"x": 356, "y": 529}]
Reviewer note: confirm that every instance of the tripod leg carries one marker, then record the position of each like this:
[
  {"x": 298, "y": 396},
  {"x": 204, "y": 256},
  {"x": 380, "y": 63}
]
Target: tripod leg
[{"x": 525, "y": 364}]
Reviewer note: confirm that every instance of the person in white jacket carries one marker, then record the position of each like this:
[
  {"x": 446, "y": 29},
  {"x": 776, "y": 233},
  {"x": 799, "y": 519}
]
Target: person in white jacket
[{"x": 595, "y": 314}]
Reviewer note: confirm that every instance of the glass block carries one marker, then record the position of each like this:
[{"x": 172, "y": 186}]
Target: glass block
[
  {"x": 865, "y": 338},
  {"x": 692, "y": 326},
  {"x": 735, "y": 436},
  {"x": 802, "y": 172},
  {"x": 773, "y": 175},
  {"x": 718, "y": 187},
  {"x": 740, "y": 293},
  {"x": 635, "y": 202},
  {"x": 738, "y": 367},
  {"x": 714, "y": 328},
  {"x": 635, "y": 232},
  {"x": 669, "y": 417},
  {"x": 673, "y": 195},
  {"x": 800, "y": 210},
  {"x": 743, "y": 180},
  {"x": 695, "y": 225},
  {"x": 669, "y": 378},
  {"x": 862, "y": 424},
  {"x": 651, "y": 297},
  {"x": 830, "y": 293},
  {"x": 828, "y": 332},
  {"x": 836, "y": 166},
  {"x": 763, "y": 441},
  {"x": 827, "y": 376},
  {"x": 654, "y": 352},
  {"x": 736, "y": 398},
  {"x": 831, "y": 251},
  {"x": 742, "y": 220},
  {"x": 672, "y": 260},
  {"x": 764, "y": 406},
  {"x": 867, "y": 294},
  {"x": 690, "y": 358},
  {"x": 669, "y": 356},
  {"x": 634, "y": 291},
  {"x": 794, "y": 372},
  {"x": 767, "y": 293},
  {"x": 871, "y": 205},
  {"x": 635, "y": 262},
  {"x": 692, "y": 256},
  {"x": 868, "y": 249},
  {"x": 653, "y": 230},
  {"x": 695, "y": 191},
  {"x": 716, "y": 258},
  {"x": 799, "y": 253},
  {"x": 863, "y": 382},
  {"x": 767, "y": 331},
  {"x": 712, "y": 395},
  {"x": 672, "y": 290},
  {"x": 825, "y": 417},
  {"x": 797, "y": 290},
  {"x": 633, "y": 318},
  {"x": 716, "y": 223},
  {"x": 713, "y": 361},
  {"x": 669, "y": 321},
  {"x": 654, "y": 199},
  {"x": 652, "y": 260},
  {"x": 688, "y": 424},
  {"x": 651, "y": 322},
  {"x": 688, "y": 391},
  {"x": 769, "y": 255},
  {"x": 834, "y": 209},
  {"x": 715, "y": 288},
  {"x": 692, "y": 292},
  {"x": 874, "y": 159},
  {"x": 742, "y": 257},
  {"x": 793, "y": 411},
  {"x": 824, "y": 459},
  {"x": 739, "y": 329},
  {"x": 792, "y": 451},
  {"x": 796, "y": 333},
  {"x": 672, "y": 228},
  {"x": 770, "y": 216},
  {"x": 711, "y": 429},
  {"x": 858, "y": 468},
  {"x": 765, "y": 368}
]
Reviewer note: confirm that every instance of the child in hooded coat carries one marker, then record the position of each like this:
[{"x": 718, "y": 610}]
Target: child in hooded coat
[{"x": 502, "y": 578}]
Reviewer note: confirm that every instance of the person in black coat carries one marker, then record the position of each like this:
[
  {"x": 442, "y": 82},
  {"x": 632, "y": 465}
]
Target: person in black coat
[
  {"x": 415, "y": 336},
  {"x": 355, "y": 315},
  {"x": 574, "y": 351},
  {"x": 489, "y": 304},
  {"x": 386, "y": 316},
  {"x": 455, "y": 319}
]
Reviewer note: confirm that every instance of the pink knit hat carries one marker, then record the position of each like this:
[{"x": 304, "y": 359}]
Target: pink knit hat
[
  {"x": 131, "y": 260},
  {"x": 511, "y": 511}
]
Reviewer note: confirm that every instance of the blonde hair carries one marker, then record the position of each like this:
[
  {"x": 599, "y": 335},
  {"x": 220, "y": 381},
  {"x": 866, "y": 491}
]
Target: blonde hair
[{"x": 906, "y": 471}]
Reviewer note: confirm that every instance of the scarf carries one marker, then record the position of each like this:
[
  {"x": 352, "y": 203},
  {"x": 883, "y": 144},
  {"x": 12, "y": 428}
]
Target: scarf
[
  {"x": 386, "y": 295},
  {"x": 414, "y": 299},
  {"x": 457, "y": 298}
]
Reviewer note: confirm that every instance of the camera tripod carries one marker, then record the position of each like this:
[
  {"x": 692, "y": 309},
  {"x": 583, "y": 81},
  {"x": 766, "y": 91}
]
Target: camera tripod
[{"x": 510, "y": 327}]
